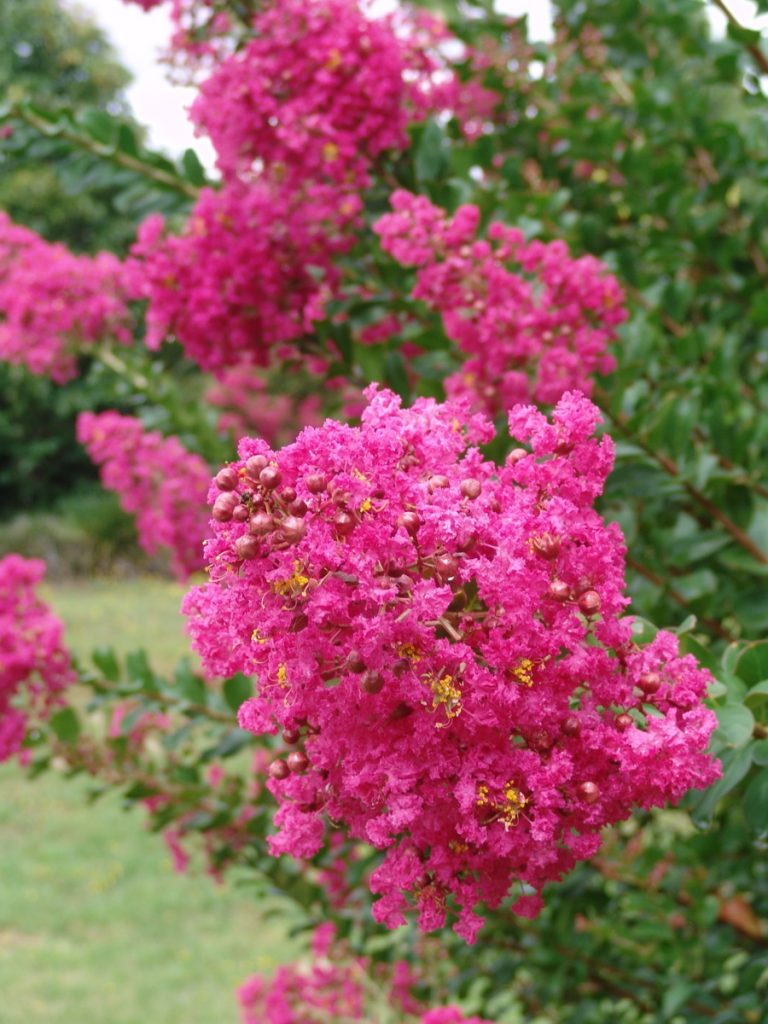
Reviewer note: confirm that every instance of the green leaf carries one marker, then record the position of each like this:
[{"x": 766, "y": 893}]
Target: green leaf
[
  {"x": 192, "y": 167},
  {"x": 105, "y": 660},
  {"x": 431, "y": 157},
  {"x": 755, "y": 803},
  {"x": 237, "y": 690},
  {"x": 66, "y": 725},
  {"x": 745, "y": 36},
  {"x": 760, "y": 752},
  {"x": 99, "y": 125},
  {"x": 735, "y": 725},
  {"x": 736, "y": 764},
  {"x": 752, "y": 664},
  {"x": 758, "y": 694}
]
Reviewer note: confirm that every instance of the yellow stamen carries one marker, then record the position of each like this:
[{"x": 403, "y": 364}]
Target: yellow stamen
[
  {"x": 445, "y": 692},
  {"x": 523, "y": 672},
  {"x": 294, "y": 584}
]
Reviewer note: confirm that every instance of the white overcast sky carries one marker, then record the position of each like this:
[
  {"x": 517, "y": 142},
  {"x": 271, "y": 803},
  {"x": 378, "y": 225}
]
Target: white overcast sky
[{"x": 139, "y": 37}]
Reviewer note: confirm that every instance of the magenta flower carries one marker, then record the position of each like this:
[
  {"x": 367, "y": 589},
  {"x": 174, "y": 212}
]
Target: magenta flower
[
  {"x": 445, "y": 638},
  {"x": 35, "y": 666},
  {"x": 157, "y": 480}
]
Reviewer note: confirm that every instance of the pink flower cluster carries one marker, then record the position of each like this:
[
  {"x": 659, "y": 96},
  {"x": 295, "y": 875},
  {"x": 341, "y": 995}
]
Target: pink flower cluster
[
  {"x": 53, "y": 302},
  {"x": 441, "y": 641},
  {"x": 532, "y": 333},
  {"x": 317, "y": 93},
  {"x": 334, "y": 986},
  {"x": 241, "y": 392},
  {"x": 157, "y": 480},
  {"x": 251, "y": 271},
  {"x": 35, "y": 666}
]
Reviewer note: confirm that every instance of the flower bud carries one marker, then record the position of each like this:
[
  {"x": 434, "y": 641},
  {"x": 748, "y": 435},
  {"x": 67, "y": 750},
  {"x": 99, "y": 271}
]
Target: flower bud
[
  {"x": 470, "y": 488},
  {"x": 288, "y": 494},
  {"x": 247, "y": 546},
  {"x": 547, "y": 546},
  {"x": 293, "y": 529},
  {"x": 343, "y": 524},
  {"x": 316, "y": 483},
  {"x": 571, "y": 726},
  {"x": 589, "y": 602},
  {"x": 224, "y": 506},
  {"x": 279, "y": 770},
  {"x": 261, "y": 524},
  {"x": 255, "y": 464},
  {"x": 437, "y": 482},
  {"x": 298, "y": 508},
  {"x": 270, "y": 477},
  {"x": 446, "y": 567},
  {"x": 649, "y": 683},
  {"x": 298, "y": 761},
  {"x": 559, "y": 590},
  {"x": 410, "y": 522},
  {"x": 588, "y": 792},
  {"x": 624, "y": 722},
  {"x": 227, "y": 479},
  {"x": 372, "y": 682},
  {"x": 240, "y": 513},
  {"x": 354, "y": 662},
  {"x": 516, "y": 455},
  {"x": 291, "y": 736}
]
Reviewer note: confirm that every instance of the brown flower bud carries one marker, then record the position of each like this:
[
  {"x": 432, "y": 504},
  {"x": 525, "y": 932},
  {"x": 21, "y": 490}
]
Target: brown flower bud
[
  {"x": 588, "y": 792},
  {"x": 316, "y": 483},
  {"x": 227, "y": 479},
  {"x": 247, "y": 546},
  {"x": 270, "y": 477},
  {"x": 372, "y": 682},
  {"x": 298, "y": 761},
  {"x": 410, "y": 522},
  {"x": 261, "y": 524},
  {"x": 255, "y": 464},
  {"x": 547, "y": 546},
  {"x": 559, "y": 590},
  {"x": 470, "y": 488},
  {"x": 650, "y": 683},
  {"x": 279, "y": 770},
  {"x": 224, "y": 506},
  {"x": 589, "y": 602}
]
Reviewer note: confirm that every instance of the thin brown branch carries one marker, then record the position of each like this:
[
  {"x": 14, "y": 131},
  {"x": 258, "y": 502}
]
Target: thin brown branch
[{"x": 757, "y": 54}]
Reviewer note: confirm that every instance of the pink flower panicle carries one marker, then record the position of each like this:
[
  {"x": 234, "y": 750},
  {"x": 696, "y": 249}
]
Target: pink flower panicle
[
  {"x": 334, "y": 986},
  {"x": 317, "y": 94},
  {"x": 35, "y": 667},
  {"x": 53, "y": 302},
  {"x": 157, "y": 480},
  {"x": 247, "y": 407},
  {"x": 252, "y": 270},
  {"x": 445, "y": 639},
  {"x": 532, "y": 333}
]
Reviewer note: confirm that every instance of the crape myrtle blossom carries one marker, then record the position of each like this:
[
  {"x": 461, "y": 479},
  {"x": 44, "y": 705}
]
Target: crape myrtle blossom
[
  {"x": 156, "y": 479},
  {"x": 441, "y": 641},
  {"x": 532, "y": 332},
  {"x": 53, "y": 302},
  {"x": 318, "y": 92},
  {"x": 334, "y": 986},
  {"x": 35, "y": 666},
  {"x": 324, "y": 87},
  {"x": 252, "y": 270}
]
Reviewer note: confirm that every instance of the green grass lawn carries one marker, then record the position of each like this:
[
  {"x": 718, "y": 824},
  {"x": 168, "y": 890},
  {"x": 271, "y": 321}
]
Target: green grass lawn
[{"x": 95, "y": 927}]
